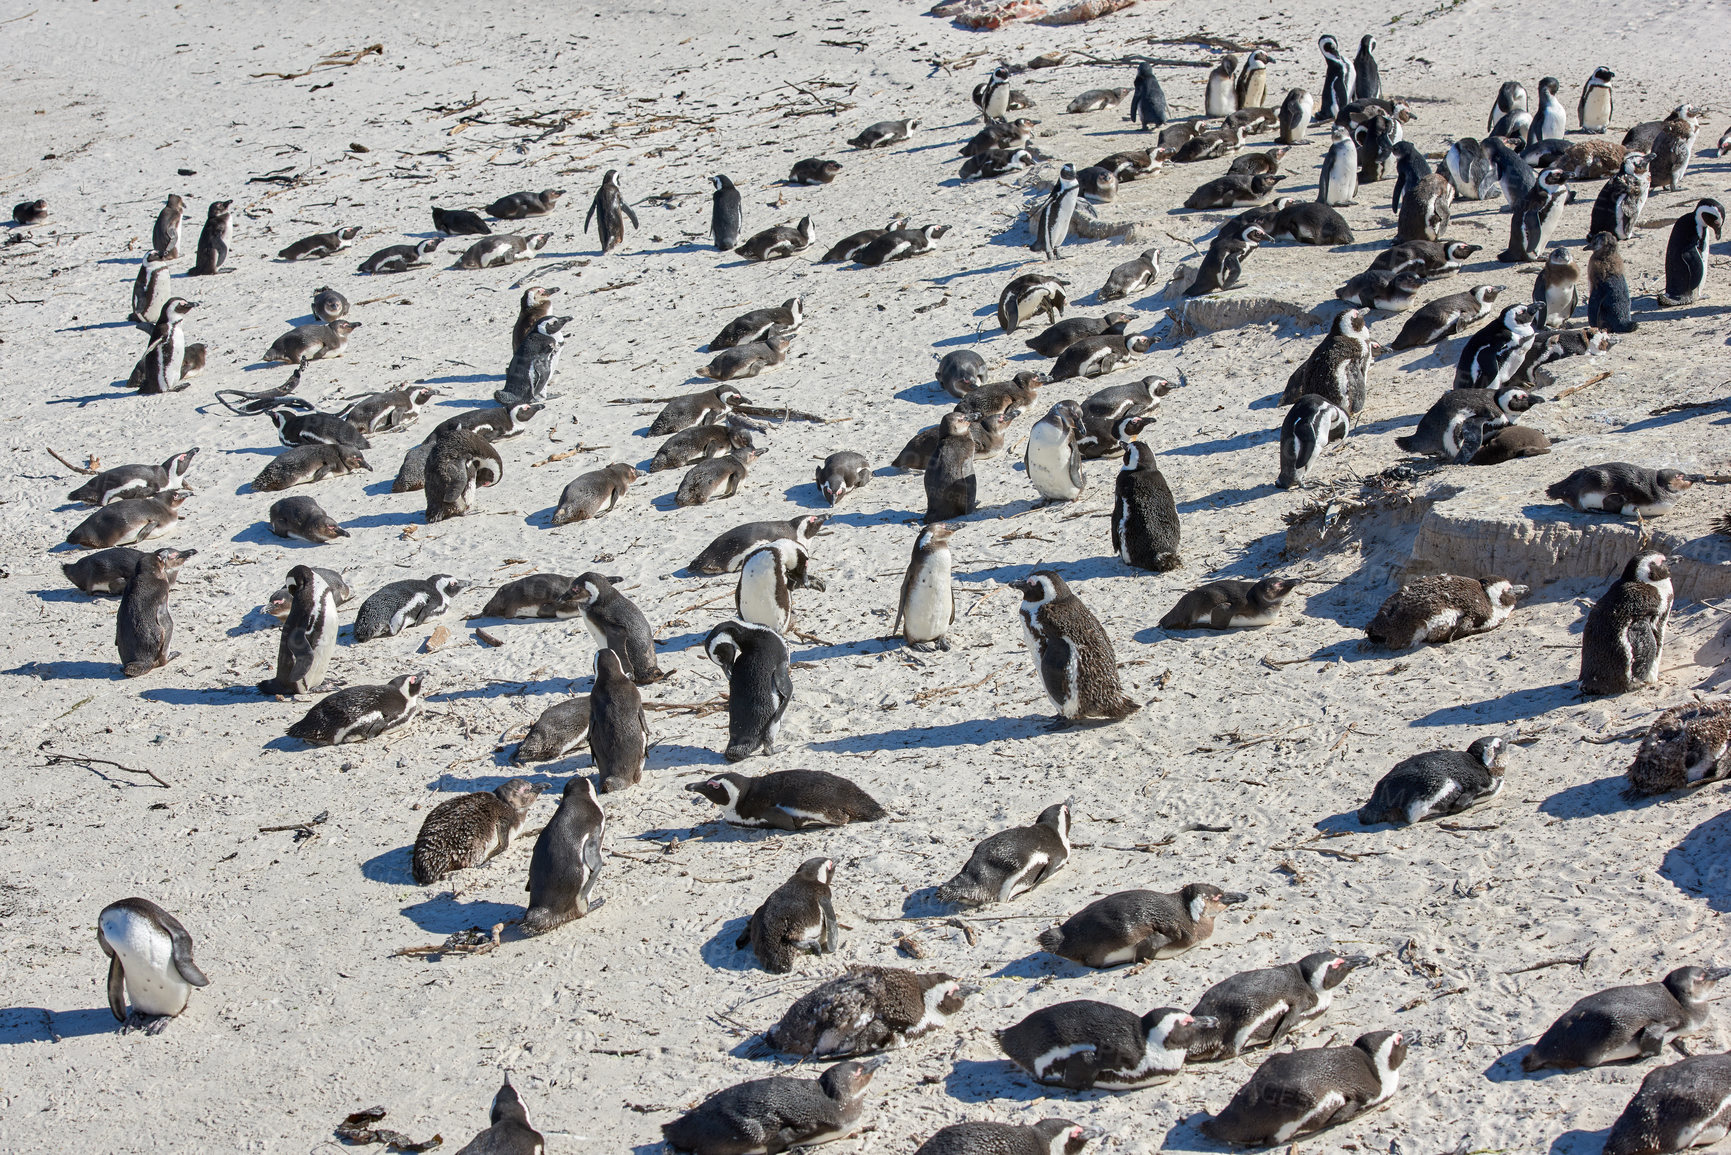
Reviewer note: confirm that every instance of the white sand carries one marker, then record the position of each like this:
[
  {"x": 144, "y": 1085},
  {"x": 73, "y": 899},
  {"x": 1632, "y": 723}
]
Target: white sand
[{"x": 615, "y": 1023}]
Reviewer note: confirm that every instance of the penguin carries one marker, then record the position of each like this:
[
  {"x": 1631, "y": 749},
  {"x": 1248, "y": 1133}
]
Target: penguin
[
  {"x": 1515, "y": 177},
  {"x": 129, "y": 520},
  {"x": 618, "y": 729},
  {"x": 1625, "y": 630},
  {"x": 162, "y": 368},
  {"x": 1311, "y": 426},
  {"x": 509, "y": 1132},
  {"x": 1223, "y": 265},
  {"x": 1437, "y": 783},
  {"x": 1230, "y": 604},
  {"x": 1618, "y": 207},
  {"x": 1051, "y": 224},
  {"x": 1098, "y": 356},
  {"x": 1219, "y": 95},
  {"x": 213, "y": 240},
  {"x": 1471, "y": 171},
  {"x": 927, "y": 607},
  {"x": 1046, "y": 1137},
  {"x": 124, "y": 481},
  {"x": 1307, "y": 222},
  {"x": 1230, "y": 191},
  {"x": 1594, "y": 111},
  {"x": 608, "y": 212},
  {"x": 762, "y": 596},
  {"x": 165, "y": 234},
  {"x": 764, "y": 1116},
  {"x": 1298, "y": 1093},
  {"x": 520, "y": 205},
  {"x": 842, "y": 473},
  {"x": 726, "y": 217},
  {"x": 1260, "y": 1008},
  {"x": 1084, "y": 1044},
  {"x": 993, "y": 96},
  {"x": 281, "y": 601},
  {"x": 362, "y": 712},
  {"x": 1375, "y": 140},
  {"x": 1389, "y": 292},
  {"x": 1012, "y": 862},
  {"x": 798, "y": 916},
  {"x": 755, "y": 660},
  {"x": 541, "y": 595},
  {"x": 1029, "y": 295},
  {"x": 144, "y": 628},
  {"x": 705, "y": 441},
  {"x": 986, "y": 163},
  {"x": 1493, "y": 355},
  {"x": 1136, "y": 925},
  {"x": 1295, "y": 116},
  {"x": 305, "y": 464},
  {"x": 398, "y": 605},
  {"x": 848, "y": 246},
  {"x": 1338, "y": 83},
  {"x": 459, "y": 223},
  {"x": 1251, "y": 87},
  {"x": 592, "y": 494},
  {"x": 1511, "y": 97},
  {"x": 1442, "y": 608},
  {"x": 472, "y": 829},
  {"x": 502, "y": 249},
  {"x": 1630, "y": 1022},
  {"x": 1132, "y": 277},
  {"x": 814, "y": 171},
  {"x": 1557, "y": 287},
  {"x": 1608, "y": 299},
  {"x": 1509, "y": 443},
  {"x": 536, "y": 303},
  {"x": 494, "y": 422},
  {"x": 400, "y": 258},
  {"x": 533, "y": 363},
  {"x": 329, "y": 305},
  {"x": 779, "y": 241},
  {"x": 1005, "y": 136},
  {"x": 749, "y": 359},
  {"x": 900, "y": 244},
  {"x": 1623, "y": 489},
  {"x": 1367, "y": 79},
  {"x": 1549, "y": 120},
  {"x": 1148, "y": 104},
  {"x": 106, "y": 571},
  {"x": 615, "y": 622},
  {"x": 1258, "y": 163},
  {"x": 716, "y": 478},
  {"x": 1097, "y": 100},
  {"x": 297, "y": 426},
  {"x": 1338, "y": 184},
  {"x": 149, "y": 961},
  {"x": 321, "y": 245},
  {"x": 729, "y": 551},
  {"x": 1673, "y": 147},
  {"x": 1424, "y": 209},
  {"x": 1102, "y": 411},
  {"x": 1686, "y": 252},
  {"x": 866, "y": 1010},
  {"x": 951, "y": 487},
  {"x": 706, "y": 408},
  {"x": 150, "y": 290},
  {"x": 461, "y": 461},
  {"x": 1052, "y": 459},
  {"x": 884, "y": 133},
  {"x": 566, "y": 862},
  {"x": 1442, "y": 318},
  {"x": 388, "y": 410},
  {"x": 1210, "y": 144},
  {"x": 1337, "y": 369},
  {"x": 309, "y": 635},
  {"x": 1536, "y": 217},
  {"x": 1685, "y": 747},
  {"x": 755, "y": 325},
  {"x": 1072, "y": 654},
  {"x": 789, "y": 800},
  {"x": 1677, "y": 1107},
  {"x": 560, "y": 729},
  {"x": 1145, "y": 526},
  {"x": 987, "y": 433},
  {"x": 961, "y": 372},
  {"x": 1453, "y": 427},
  {"x": 1133, "y": 163}
]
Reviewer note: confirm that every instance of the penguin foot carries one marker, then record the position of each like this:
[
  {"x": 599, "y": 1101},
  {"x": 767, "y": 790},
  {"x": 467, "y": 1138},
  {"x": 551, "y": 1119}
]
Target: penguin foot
[
  {"x": 1058, "y": 724},
  {"x": 943, "y": 644}
]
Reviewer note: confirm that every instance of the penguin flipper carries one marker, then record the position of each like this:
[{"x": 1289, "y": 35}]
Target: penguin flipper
[
  {"x": 626, "y": 209},
  {"x": 116, "y": 986},
  {"x": 1055, "y": 658},
  {"x": 180, "y": 949}
]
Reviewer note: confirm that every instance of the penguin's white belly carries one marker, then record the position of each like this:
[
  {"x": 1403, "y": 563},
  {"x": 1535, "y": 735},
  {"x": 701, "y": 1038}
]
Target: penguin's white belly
[
  {"x": 1596, "y": 109},
  {"x": 1439, "y": 625},
  {"x": 325, "y": 641},
  {"x": 1018, "y": 882},
  {"x": 401, "y": 617},
  {"x": 371, "y": 717},
  {"x": 1252, "y": 1029},
  {"x": 1048, "y": 463},
  {"x": 1325, "y": 1107},
  {"x": 1157, "y": 1066},
  {"x": 176, "y": 356},
  {"x": 153, "y": 985},
  {"x": 757, "y": 602},
  {"x": 1042, "y": 1063},
  {"x": 1710, "y": 1129},
  {"x": 926, "y": 617},
  {"x": 1420, "y": 808},
  {"x": 1258, "y": 618},
  {"x": 596, "y": 632}
]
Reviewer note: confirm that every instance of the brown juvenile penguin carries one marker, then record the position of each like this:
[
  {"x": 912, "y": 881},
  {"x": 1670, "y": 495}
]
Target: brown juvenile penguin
[{"x": 472, "y": 829}]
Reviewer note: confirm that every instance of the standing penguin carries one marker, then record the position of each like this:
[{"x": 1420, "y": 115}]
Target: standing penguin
[
  {"x": 165, "y": 236},
  {"x": 143, "y": 628},
  {"x": 610, "y": 207},
  {"x": 1338, "y": 184},
  {"x": 1367, "y": 79},
  {"x": 1052, "y": 459},
  {"x": 1608, "y": 287},
  {"x": 951, "y": 487},
  {"x": 1072, "y": 654},
  {"x": 1012, "y": 862},
  {"x": 149, "y": 290},
  {"x": 149, "y": 958},
  {"x": 1550, "y": 121},
  {"x": 1252, "y": 84},
  {"x": 309, "y": 635},
  {"x": 1618, "y": 207},
  {"x": 1145, "y": 528},
  {"x": 797, "y": 916},
  {"x": 618, "y": 730},
  {"x": 1686, "y": 252},
  {"x": 763, "y": 596},
  {"x": 1338, "y": 369},
  {"x": 1294, "y": 116},
  {"x": 1296, "y": 1093},
  {"x": 1536, "y": 217},
  {"x": 213, "y": 241},
  {"x": 1625, "y": 630},
  {"x": 566, "y": 863},
  {"x": 927, "y": 608},
  {"x": 993, "y": 97},
  {"x": 1630, "y": 1022},
  {"x": 162, "y": 369},
  {"x": 1311, "y": 426},
  {"x": 1219, "y": 96},
  {"x": 759, "y": 685},
  {"x": 1557, "y": 287},
  {"x": 725, "y": 218},
  {"x": 1148, "y": 104},
  {"x": 1491, "y": 356},
  {"x": 1337, "y": 79},
  {"x": 1594, "y": 111},
  {"x": 1052, "y": 224},
  {"x": 616, "y": 624},
  {"x": 1424, "y": 209}
]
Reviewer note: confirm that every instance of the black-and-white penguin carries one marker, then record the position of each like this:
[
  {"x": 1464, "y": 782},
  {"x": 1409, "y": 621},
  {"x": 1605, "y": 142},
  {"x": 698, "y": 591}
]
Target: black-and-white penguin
[
  {"x": 1454, "y": 427},
  {"x": 789, "y": 799},
  {"x": 1098, "y": 356},
  {"x": 1148, "y": 104},
  {"x": 281, "y": 600},
  {"x": 1608, "y": 286},
  {"x": 1311, "y": 426},
  {"x": 992, "y": 96},
  {"x": 389, "y": 409},
  {"x": 1051, "y": 222},
  {"x": 1072, "y": 654},
  {"x": 867, "y": 1010},
  {"x": 1047, "y": 1137},
  {"x": 125, "y": 481},
  {"x": 841, "y": 473},
  {"x": 1053, "y": 459},
  {"x": 1262, "y": 1007},
  {"x": 1131, "y": 277},
  {"x": 1222, "y": 266},
  {"x": 1392, "y": 292},
  {"x": 150, "y": 290},
  {"x": 755, "y": 660},
  {"x": 1515, "y": 177},
  {"x": 1054, "y": 339},
  {"x": 329, "y": 305},
  {"x": 1550, "y": 121},
  {"x": 501, "y": 249},
  {"x": 763, "y": 595},
  {"x": 726, "y": 220},
  {"x": 165, "y": 233},
  {"x": 1685, "y": 747},
  {"x": 472, "y": 829},
  {"x": 884, "y": 133},
  {"x": 1029, "y": 295},
  {"x": 1097, "y": 99},
  {"x": 1442, "y": 608},
  {"x": 1232, "y": 190},
  {"x": 608, "y": 213},
  {"x": 212, "y": 251},
  {"x": 1621, "y": 488},
  {"x": 358, "y": 713},
  {"x": 1230, "y": 604},
  {"x": 560, "y": 729},
  {"x": 1297, "y": 1093},
  {"x": 1338, "y": 83},
  {"x": 1251, "y": 87},
  {"x": 1632, "y": 1022},
  {"x": 508, "y": 1131},
  {"x": 1145, "y": 526},
  {"x": 149, "y": 961},
  {"x": 1536, "y": 217},
  {"x": 162, "y": 368},
  {"x": 144, "y": 628},
  {"x": 1103, "y": 410},
  {"x": 1442, "y": 318},
  {"x": 522, "y": 205},
  {"x": 749, "y": 358},
  {"x": 591, "y": 494},
  {"x": 778, "y": 241},
  {"x": 295, "y": 426},
  {"x": 1366, "y": 77},
  {"x": 756, "y": 324},
  {"x": 1625, "y": 630},
  {"x": 705, "y": 408},
  {"x": 401, "y": 604},
  {"x": 1424, "y": 208},
  {"x": 321, "y": 245},
  {"x": 1471, "y": 171},
  {"x": 533, "y": 363},
  {"x": 1294, "y": 116},
  {"x": 1684, "y": 1105},
  {"x": 1085, "y": 1044},
  {"x": 1511, "y": 97},
  {"x": 459, "y": 222},
  {"x": 1135, "y": 925},
  {"x": 400, "y": 258},
  {"x": 461, "y": 461},
  {"x": 987, "y": 163},
  {"x": 1338, "y": 369},
  {"x": 729, "y": 551},
  {"x": 1012, "y": 862},
  {"x": 1431, "y": 259},
  {"x": 1686, "y": 252},
  {"x": 309, "y": 635},
  {"x": 1493, "y": 355},
  {"x": 305, "y": 464},
  {"x": 927, "y": 607},
  {"x": 764, "y": 1116},
  {"x": 129, "y": 520},
  {"x": 797, "y": 917},
  {"x": 615, "y": 622},
  {"x": 618, "y": 729},
  {"x": 566, "y": 864},
  {"x": 107, "y": 571},
  {"x": 1438, "y": 783}
]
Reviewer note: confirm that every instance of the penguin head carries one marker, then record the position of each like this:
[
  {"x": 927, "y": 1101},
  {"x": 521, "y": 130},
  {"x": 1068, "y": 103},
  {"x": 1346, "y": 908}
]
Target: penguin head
[
  {"x": 1709, "y": 214},
  {"x": 622, "y": 472},
  {"x": 1674, "y": 480},
  {"x": 517, "y": 414},
  {"x": 935, "y": 535},
  {"x": 508, "y": 1104},
  {"x": 943, "y": 993},
  {"x": 1057, "y": 817},
  {"x": 806, "y": 527},
  {"x": 846, "y": 1082},
  {"x": 1272, "y": 591},
  {"x": 178, "y": 307},
  {"x": 1125, "y": 430},
  {"x": 420, "y": 395},
  {"x": 1040, "y": 588},
  {"x": 1170, "y": 1029},
  {"x": 410, "y": 686},
  {"x": 1367, "y": 44},
  {"x": 608, "y": 667},
  {"x": 1502, "y": 591},
  {"x": 1603, "y": 75},
  {"x": 1647, "y": 567},
  {"x": 1204, "y": 900},
  {"x": 723, "y": 789},
  {"x": 1329, "y": 47},
  {"x": 816, "y": 870},
  {"x": 352, "y": 459},
  {"x": 720, "y": 182},
  {"x": 422, "y": 248},
  {"x": 1326, "y": 970},
  {"x": 1493, "y": 752},
  {"x": 1062, "y": 1137},
  {"x": 448, "y": 585},
  {"x": 1386, "y": 1049},
  {"x": 519, "y": 794}
]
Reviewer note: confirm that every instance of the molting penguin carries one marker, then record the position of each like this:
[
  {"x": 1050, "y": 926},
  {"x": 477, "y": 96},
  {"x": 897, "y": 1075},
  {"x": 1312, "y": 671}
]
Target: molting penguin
[
  {"x": 533, "y": 363},
  {"x": 144, "y": 628},
  {"x": 1300, "y": 1092},
  {"x": 1632, "y": 1022},
  {"x": 1625, "y": 631},
  {"x": 398, "y": 605},
  {"x": 951, "y": 487},
  {"x": 1072, "y": 654},
  {"x": 213, "y": 240},
  {"x": 927, "y": 608},
  {"x": 149, "y": 959},
  {"x": 1685, "y": 747},
  {"x": 1262, "y": 1007},
  {"x": 726, "y": 220},
  {"x": 867, "y": 1010},
  {"x": 1047, "y": 1137},
  {"x": 1012, "y": 862},
  {"x": 1219, "y": 96},
  {"x": 789, "y": 799},
  {"x": 165, "y": 234},
  {"x": 566, "y": 863},
  {"x": 1230, "y": 604},
  {"x": 311, "y": 343},
  {"x": 1684, "y": 1105},
  {"x": 541, "y": 595},
  {"x": 1608, "y": 302},
  {"x": 362, "y": 712},
  {"x": 1145, "y": 526},
  {"x": 1618, "y": 207},
  {"x": 560, "y": 729},
  {"x": 1686, "y": 252},
  {"x": 1086, "y": 1044},
  {"x": 309, "y": 635},
  {"x": 536, "y": 303},
  {"x": 755, "y": 660},
  {"x": 472, "y": 829},
  {"x": 1557, "y": 286},
  {"x": 1312, "y": 425},
  {"x": 1443, "y": 608},
  {"x": 618, "y": 729},
  {"x": 764, "y": 1116},
  {"x": 1135, "y": 925},
  {"x": 798, "y": 916},
  {"x": 617, "y": 624},
  {"x": 1437, "y": 783}
]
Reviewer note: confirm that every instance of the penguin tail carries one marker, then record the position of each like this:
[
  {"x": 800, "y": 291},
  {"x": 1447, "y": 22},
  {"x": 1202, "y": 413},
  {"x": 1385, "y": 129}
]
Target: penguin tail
[
  {"x": 137, "y": 669},
  {"x": 540, "y": 920},
  {"x": 1532, "y": 1062},
  {"x": 1165, "y": 563},
  {"x": 1052, "y": 939},
  {"x": 1122, "y": 709},
  {"x": 1410, "y": 444},
  {"x": 1557, "y": 491}
]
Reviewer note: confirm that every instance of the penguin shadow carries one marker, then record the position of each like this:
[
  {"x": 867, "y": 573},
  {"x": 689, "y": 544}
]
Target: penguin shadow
[
  {"x": 66, "y": 595},
  {"x": 556, "y": 687},
  {"x": 115, "y": 393},
  {"x": 974, "y": 733},
  {"x": 303, "y": 319},
  {"x": 460, "y": 379},
  {"x": 256, "y": 621},
  {"x": 924, "y": 903},
  {"x": 260, "y": 450},
  {"x": 672, "y": 250},
  {"x": 683, "y": 641},
  {"x": 1228, "y": 497},
  {"x": 1043, "y": 965},
  {"x": 41, "y": 1025},
  {"x": 1246, "y": 440},
  {"x": 862, "y": 648},
  {"x": 259, "y": 533},
  {"x": 210, "y": 696},
  {"x": 721, "y": 953},
  {"x": 1596, "y": 799},
  {"x": 1389, "y": 425},
  {"x": 1506, "y": 1068},
  {"x": 989, "y": 1080},
  {"x": 1664, "y": 419},
  {"x": 806, "y": 495},
  {"x": 1346, "y": 822},
  {"x": 549, "y": 776},
  {"x": 1186, "y": 1135},
  {"x": 379, "y": 488},
  {"x": 99, "y": 325},
  {"x": 977, "y": 337},
  {"x": 1431, "y": 358},
  {"x": 1514, "y": 706},
  {"x": 376, "y": 520},
  {"x": 1272, "y": 401},
  {"x": 1082, "y": 569},
  {"x": 394, "y": 867},
  {"x": 675, "y": 756},
  {"x": 444, "y": 913},
  {"x": 67, "y": 671},
  {"x": 1697, "y": 865},
  {"x": 1580, "y": 1142},
  {"x": 861, "y": 519},
  {"x": 926, "y": 393}
]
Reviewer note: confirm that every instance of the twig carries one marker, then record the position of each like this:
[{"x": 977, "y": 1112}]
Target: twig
[
  {"x": 695, "y": 709},
  {"x": 924, "y": 696},
  {"x": 85, "y": 761},
  {"x": 1344, "y": 855},
  {"x": 1594, "y": 380},
  {"x": 784, "y": 413},
  {"x": 333, "y": 60},
  {"x": 303, "y": 830},
  {"x": 74, "y": 468},
  {"x": 1555, "y": 962}
]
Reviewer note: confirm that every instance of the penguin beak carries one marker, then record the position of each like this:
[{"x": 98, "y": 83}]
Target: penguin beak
[
  {"x": 1354, "y": 961},
  {"x": 1714, "y": 974},
  {"x": 1233, "y": 898}
]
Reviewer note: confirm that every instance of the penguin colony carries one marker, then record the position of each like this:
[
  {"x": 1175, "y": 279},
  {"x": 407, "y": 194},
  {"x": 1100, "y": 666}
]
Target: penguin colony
[{"x": 716, "y": 436}]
